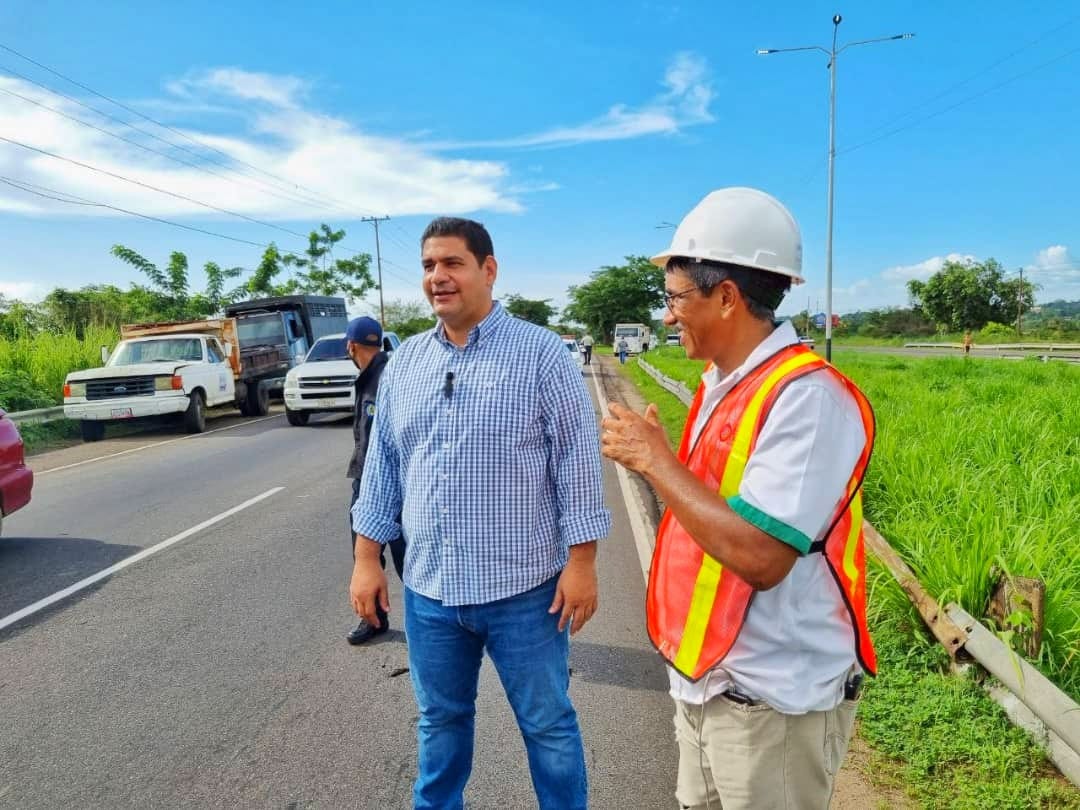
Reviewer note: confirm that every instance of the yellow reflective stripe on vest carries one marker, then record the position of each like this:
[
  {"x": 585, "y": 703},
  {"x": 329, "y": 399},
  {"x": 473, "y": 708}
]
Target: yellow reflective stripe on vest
[
  {"x": 697, "y": 620},
  {"x": 850, "y": 568},
  {"x": 708, "y": 577},
  {"x": 740, "y": 447}
]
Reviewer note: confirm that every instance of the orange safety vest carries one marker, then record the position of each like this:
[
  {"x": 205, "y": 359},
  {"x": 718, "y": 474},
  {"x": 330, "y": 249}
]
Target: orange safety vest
[{"x": 695, "y": 608}]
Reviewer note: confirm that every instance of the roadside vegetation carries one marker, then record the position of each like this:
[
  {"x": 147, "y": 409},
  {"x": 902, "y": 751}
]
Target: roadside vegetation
[{"x": 976, "y": 471}]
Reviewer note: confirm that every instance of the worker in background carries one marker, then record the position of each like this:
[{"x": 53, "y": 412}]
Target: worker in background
[
  {"x": 363, "y": 344},
  {"x": 587, "y": 344}
]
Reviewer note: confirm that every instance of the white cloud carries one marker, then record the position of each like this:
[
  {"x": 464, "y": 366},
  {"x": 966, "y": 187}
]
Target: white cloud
[
  {"x": 684, "y": 102},
  {"x": 923, "y": 270},
  {"x": 1056, "y": 272},
  {"x": 23, "y": 290},
  {"x": 278, "y": 91},
  {"x": 353, "y": 173}
]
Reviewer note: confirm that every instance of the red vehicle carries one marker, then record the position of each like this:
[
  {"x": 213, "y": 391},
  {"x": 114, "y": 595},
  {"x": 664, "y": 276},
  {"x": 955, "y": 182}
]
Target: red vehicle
[{"x": 16, "y": 479}]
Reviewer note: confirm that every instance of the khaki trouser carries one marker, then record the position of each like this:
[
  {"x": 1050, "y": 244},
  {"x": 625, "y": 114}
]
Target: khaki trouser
[{"x": 755, "y": 758}]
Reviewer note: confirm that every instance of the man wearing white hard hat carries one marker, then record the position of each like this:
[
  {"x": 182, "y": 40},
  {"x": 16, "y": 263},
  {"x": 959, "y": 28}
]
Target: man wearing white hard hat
[{"x": 757, "y": 589}]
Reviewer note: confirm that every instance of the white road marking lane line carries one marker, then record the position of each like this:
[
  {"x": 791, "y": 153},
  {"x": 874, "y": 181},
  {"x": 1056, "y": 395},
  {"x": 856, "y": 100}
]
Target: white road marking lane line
[
  {"x": 642, "y": 535},
  {"x": 155, "y": 444},
  {"x": 142, "y": 555}
]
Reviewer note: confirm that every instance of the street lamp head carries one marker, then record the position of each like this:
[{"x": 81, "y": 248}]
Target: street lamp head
[
  {"x": 763, "y": 51},
  {"x": 906, "y": 36},
  {"x": 837, "y": 19}
]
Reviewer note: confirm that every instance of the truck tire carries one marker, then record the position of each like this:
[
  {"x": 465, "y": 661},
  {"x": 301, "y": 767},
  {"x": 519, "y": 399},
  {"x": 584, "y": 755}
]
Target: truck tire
[
  {"x": 258, "y": 400},
  {"x": 195, "y": 415},
  {"x": 92, "y": 431},
  {"x": 297, "y": 418}
]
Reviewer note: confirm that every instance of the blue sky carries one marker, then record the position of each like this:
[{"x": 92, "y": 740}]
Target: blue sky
[{"x": 570, "y": 130}]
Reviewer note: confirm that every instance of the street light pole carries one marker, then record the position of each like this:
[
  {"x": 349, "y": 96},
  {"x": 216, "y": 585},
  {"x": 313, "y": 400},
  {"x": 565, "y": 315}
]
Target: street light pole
[
  {"x": 829, "y": 217},
  {"x": 832, "y": 53}
]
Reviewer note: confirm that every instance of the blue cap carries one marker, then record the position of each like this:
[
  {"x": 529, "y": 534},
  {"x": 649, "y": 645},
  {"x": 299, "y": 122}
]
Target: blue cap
[{"x": 365, "y": 331}]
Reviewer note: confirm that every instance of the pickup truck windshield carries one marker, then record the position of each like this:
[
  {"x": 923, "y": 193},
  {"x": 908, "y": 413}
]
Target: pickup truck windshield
[
  {"x": 261, "y": 330},
  {"x": 128, "y": 353},
  {"x": 327, "y": 349}
]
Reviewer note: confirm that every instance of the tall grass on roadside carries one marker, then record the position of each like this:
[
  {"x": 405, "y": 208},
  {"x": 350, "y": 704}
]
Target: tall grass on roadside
[
  {"x": 45, "y": 359},
  {"x": 977, "y": 468}
]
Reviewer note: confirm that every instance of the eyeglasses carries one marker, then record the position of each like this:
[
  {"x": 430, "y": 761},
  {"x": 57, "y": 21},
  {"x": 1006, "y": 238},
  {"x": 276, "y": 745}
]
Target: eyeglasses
[{"x": 671, "y": 298}]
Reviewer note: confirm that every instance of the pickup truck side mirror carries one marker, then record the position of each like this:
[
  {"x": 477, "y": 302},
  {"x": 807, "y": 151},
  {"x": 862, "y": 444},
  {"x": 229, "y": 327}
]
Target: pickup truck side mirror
[
  {"x": 104, "y": 355},
  {"x": 228, "y": 349}
]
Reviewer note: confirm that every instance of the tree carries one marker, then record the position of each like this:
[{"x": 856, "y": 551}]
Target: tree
[
  {"x": 175, "y": 300},
  {"x": 262, "y": 283},
  {"x": 319, "y": 273},
  {"x": 969, "y": 295},
  {"x": 408, "y": 318},
  {"x": 624, "y": 294},
  {"x": 538, "y": 312}
]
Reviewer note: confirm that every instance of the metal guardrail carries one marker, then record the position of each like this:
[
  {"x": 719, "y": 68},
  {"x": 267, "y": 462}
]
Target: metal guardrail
[
  {"x": 1002, "y": 347},
  {"x": 675, "y": 387},
  {"x": 37, "y": 416},
  {"x": 1063, "y": 352},
  {"x": 1030, "y": 700}
]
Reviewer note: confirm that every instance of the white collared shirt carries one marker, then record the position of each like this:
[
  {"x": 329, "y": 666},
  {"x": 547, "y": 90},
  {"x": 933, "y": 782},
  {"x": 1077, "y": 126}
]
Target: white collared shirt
[{"x": 797, "y": 645}]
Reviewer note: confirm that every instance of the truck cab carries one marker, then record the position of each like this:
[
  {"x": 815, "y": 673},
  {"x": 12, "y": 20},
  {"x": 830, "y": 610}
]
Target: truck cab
[{"x": 276, "y": 334}]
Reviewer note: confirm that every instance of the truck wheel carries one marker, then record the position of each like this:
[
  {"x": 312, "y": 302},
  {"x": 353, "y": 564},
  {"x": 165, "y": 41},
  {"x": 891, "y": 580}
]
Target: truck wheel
[
  {"x": 297, "y": 418},
  {"x": 258, "y": 400},
  {"x": 92, "y": 431},
  {"x": 195, "y": 415}
]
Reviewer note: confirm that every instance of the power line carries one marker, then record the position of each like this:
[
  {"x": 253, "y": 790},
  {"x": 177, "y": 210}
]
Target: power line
[
  {"x": 181, "y": 161},
  {"x": 71, "y": 199},
  {"x": 973, "y": 77},
  {"x": 166, "y": 192},
  {"x": 267, "y": 186},
  {"x": 960, "y": 103},
  {"x": 172, "y": 129}
]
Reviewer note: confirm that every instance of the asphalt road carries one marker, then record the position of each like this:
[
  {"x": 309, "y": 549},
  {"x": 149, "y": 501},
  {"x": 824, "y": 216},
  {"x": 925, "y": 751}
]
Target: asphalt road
[{"x": 214, "y": 672}]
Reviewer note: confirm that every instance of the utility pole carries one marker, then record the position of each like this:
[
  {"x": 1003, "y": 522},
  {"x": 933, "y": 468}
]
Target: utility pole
[
  {"x": 1020, "y": 306},
  {"x": 378, "y": 263},
  {"x": 832, "y": 53}
]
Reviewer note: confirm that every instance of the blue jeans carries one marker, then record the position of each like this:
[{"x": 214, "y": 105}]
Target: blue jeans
[
  {"x": 446, "y": 645},
  {"x": 622, "y": 358}
]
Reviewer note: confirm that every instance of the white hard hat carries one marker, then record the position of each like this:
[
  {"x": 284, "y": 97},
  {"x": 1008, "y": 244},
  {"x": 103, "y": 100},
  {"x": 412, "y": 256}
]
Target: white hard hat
[{"x": 740, "y": 226}]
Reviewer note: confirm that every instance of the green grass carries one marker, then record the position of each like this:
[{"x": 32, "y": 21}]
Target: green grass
[
  {"x": 38, "y": 438},
  {"x": 977, "y": 464},
  {"x": 672, "y": 411},
  {"x": 43, "y": 361}
]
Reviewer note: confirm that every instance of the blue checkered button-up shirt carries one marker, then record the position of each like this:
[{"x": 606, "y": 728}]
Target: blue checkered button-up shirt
[{"x": 490, "y": 475}]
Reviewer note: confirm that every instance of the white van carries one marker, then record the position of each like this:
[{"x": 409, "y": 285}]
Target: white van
[{"x": 636, "y": 335}]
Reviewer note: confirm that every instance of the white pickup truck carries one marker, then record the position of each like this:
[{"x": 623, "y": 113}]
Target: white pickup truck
[{"x": 158, "y": 369}]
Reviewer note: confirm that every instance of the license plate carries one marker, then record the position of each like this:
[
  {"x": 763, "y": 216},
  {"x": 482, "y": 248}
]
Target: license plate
[
  {"x": 121, "y": 413},
  {"x": 326, "y": 403}
]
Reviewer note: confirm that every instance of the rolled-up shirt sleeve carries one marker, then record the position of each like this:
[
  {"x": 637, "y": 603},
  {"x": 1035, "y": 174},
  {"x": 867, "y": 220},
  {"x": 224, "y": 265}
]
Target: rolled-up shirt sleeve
[
  {"x": 570, "y": 425},
  {"x": 799, "y": 470},
  {"x": 377, "y": 511}
]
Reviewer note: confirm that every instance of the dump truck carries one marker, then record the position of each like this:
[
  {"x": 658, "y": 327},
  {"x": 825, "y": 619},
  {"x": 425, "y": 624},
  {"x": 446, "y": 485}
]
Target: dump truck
[{"x": 275, "y": 335}]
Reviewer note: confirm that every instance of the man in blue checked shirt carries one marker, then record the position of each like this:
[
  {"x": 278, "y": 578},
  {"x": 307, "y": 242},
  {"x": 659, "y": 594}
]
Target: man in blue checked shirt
[{"x": 485, "y": 444}]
